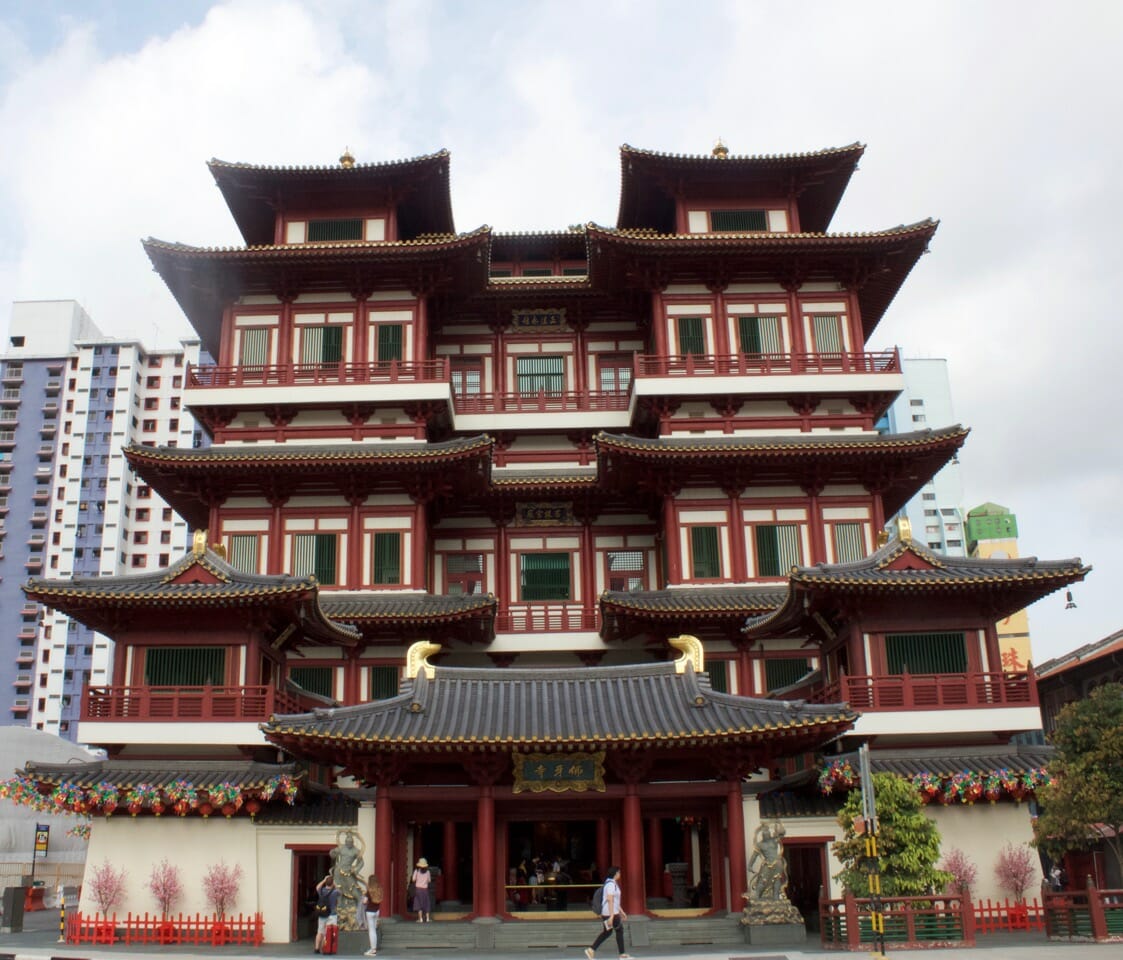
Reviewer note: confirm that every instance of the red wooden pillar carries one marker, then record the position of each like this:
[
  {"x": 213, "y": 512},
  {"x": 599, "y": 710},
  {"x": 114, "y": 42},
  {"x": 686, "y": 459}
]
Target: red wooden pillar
[
  {"x": 604, "y": 855},
  {"x": 735, "y": 814},
  {"x": 588, "y": 574},
  {"x": 994, "y": 653},
  {"x": 485, "y": 852},
  {"x": 745, "y": 685},
  {"x": 384, "y": 846},
  {"x": 355, "y": 535},
  {"x": 419, "y": 552},
  {"x": 633, "y": 852},
  {"x": 654, "y": 856},
  {"x": 276, "y": 537},
  {"x": 671, "y": 540},
  {"x": 798, "y": 340},
  {"x": 659, "y": 324},
  {"x": 420, "y": 351},
  {"x": 1096, "y": 914},
  {"x": 818, "y": 531},
  {"x": 452, "y": 889},
  {"x": 739, "y": 558},
  {"x": 721, "y": 322}
]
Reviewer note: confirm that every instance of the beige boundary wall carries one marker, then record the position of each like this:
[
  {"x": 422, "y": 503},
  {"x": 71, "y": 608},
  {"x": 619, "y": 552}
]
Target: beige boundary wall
[{"x": 194, "y": 844}]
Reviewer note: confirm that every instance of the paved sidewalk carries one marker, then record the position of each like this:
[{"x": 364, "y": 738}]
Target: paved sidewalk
[{"x": 39, "y": 942}]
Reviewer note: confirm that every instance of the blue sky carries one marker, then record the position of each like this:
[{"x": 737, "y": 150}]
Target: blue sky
[{"x": 1000, "y": 119}]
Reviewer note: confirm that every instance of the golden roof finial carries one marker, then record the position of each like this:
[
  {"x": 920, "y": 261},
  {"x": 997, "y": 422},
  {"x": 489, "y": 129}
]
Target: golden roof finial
[
  {"x": 721, "y": 151},
  {"x": 347, "y": 161},
  {"x": 199, "y": 543},
  {"x": 417, "y": 659},
  {"x": 904, "y": 528},
  {"x": 691, "y": 648}
]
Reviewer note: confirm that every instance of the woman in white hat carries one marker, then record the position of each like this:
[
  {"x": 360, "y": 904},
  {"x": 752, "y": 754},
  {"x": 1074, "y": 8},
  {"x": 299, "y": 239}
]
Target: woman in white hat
[{"x": 421, "y": 880}]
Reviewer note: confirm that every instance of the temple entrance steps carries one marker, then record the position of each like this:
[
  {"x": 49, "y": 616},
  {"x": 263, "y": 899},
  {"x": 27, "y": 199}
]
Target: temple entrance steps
[{"x": 512, "y": 936}]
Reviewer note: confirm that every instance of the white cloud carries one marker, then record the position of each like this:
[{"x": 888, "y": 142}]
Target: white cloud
[{"x": 1000, "y": 119}]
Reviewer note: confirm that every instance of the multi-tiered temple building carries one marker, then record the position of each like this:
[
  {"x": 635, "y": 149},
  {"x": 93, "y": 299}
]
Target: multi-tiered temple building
[{"x": 470, "y": 499}]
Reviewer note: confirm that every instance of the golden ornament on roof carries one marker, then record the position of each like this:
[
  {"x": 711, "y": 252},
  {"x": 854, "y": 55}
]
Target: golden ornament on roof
[
  {"x": 347, "y": 161},
  {"x": 721, "y": 151}
]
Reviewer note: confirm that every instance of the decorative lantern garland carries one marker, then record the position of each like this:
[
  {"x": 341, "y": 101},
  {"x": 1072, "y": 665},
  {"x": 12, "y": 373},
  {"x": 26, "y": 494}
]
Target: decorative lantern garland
[
  {"x": 182, "y": 797},
  {"x": 965, "y": 786}
]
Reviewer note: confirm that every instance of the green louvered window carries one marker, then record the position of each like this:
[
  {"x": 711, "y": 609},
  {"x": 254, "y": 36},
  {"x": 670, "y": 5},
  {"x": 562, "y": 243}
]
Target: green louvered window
[
  {"x": 321, "y": 345},
  {"x": 387, "y": 558},
  {"x": 777, "y": 549},
  {"x": 828, "y": 332},
  {"x": 540, "y": 375},
  {"x": 719, "y": 675},
  {"x": 315, "y": 554},
  {"x": 691, "y": 335},
  {"x": 243, "y": 552},
  {"x": 848, "y": 544},
  {"x": 926, "y": 653},
  {"x": 383, "y": 682},
  {"x": 760, "y": 334},
  {"x": 784, "y": 671},
  {"x": 389, "y": 342},
  {"x": 255, "y": 347},
  {"x": 538, "y": 271},
  {"x": 544, "y": 576},
  {"x": 185, "y": 666},
  {"x": 325, "y": 231},
  {"x": 738, "y": 221},
  {"x": 705, "y": 553},
  {"x": 317, "y": 680}
]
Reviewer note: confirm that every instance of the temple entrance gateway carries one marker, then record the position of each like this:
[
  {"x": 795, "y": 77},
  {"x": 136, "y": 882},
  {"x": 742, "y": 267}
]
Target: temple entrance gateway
[{"x": 551, "y": 864}]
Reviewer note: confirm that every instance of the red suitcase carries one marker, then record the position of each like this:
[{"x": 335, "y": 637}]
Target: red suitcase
[{"x": 331, "y": 939}]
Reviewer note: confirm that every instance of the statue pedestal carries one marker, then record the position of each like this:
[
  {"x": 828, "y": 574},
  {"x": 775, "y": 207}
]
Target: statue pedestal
[
  {"x": 770, "y": 934},
  {"x": 772, "y": 922}
]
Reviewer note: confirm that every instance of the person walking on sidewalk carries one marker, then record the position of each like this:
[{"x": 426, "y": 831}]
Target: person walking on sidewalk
[
  {"x": 612, "y": 916},
  {"x": 372, "y": 903}
]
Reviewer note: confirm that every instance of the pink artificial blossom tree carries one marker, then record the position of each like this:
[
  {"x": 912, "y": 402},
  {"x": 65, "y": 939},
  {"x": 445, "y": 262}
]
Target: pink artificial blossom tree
[
  {"x": 1016, "y": 870},
  {"x": 165, "y": 885},
  {"x": 963, "y": 871},
  {"x": 107, "y": 886},
  {"x": 221, "y": 885}
]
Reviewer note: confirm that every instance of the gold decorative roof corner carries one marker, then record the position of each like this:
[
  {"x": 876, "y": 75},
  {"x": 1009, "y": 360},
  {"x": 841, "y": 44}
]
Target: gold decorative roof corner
[
  {"x": 882, "y": 537},
  {"x": 199, "y": 543},
  {"x": 417, "y": 659},
  {"x": 904, "y": 528},
  {"x": 692, "y": 653}
]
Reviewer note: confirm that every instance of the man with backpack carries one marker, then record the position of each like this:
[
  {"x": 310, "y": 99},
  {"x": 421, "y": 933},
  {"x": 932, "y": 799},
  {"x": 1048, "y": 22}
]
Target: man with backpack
[{"x": 608, "y": 906}]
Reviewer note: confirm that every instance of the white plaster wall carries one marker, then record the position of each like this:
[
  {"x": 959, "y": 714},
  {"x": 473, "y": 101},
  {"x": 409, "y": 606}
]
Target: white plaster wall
[
  {"x": 191, "y": 843},
  {"x": 981, "y": 830}
]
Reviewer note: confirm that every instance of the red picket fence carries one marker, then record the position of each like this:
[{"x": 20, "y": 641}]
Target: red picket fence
[
  {"x": 993, "y": 916},
  {"x": 151, "y": 928}
]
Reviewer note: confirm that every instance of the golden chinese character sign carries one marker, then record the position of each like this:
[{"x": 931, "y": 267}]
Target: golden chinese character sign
[{"x": 559, "y": 772}]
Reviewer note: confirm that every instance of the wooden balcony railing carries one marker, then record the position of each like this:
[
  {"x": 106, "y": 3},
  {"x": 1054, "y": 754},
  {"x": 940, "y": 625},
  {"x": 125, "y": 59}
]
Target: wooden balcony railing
[
  {"x": 305, "y": 374},
  {"x": 543, "y": 401},
  {"x": 547, "y": 618},
  {"x": 172, "y": 704},
  {"x": 928, "y": 691},
  {"x": 765, "y": 364}
]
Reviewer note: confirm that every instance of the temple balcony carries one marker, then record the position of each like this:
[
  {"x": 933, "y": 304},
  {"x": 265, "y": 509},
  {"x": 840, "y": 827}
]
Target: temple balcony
[
  {"x": 769, "y": 373},
  {"x": 546, "y": 409},
  {"x": 916, "y": 704},
  {"x": 204, "y": 714},
  {"x": 546, "y": 618},
  {"x": 390, "y": 381}
]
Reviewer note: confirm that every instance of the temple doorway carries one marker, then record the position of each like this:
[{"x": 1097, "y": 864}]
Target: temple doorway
[
  {"x": 807, "y": 872},
  {"x": 309, "y": 866},
  {"x": 551, "y": 864}
]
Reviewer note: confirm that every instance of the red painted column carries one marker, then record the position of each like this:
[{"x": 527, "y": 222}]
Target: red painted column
[
  {"x": 658, "y": 325},
  {"x": 654, "y": 856},
  {"x": 735, "y": 814},
  {"x": 739, "y": 558},
  {"x": 994, "y": 652},
  {"x": 419, "y": 553},
  {"x": 452, "y": 889},
  {"x": 671, "y": 540},
  {"x": 485, "y": 852},
  {"x": 817, "y": 528},
  {"x": 384, "y": 847},
  {"x": 421, "y": 333},
  {"x": 745, "y": 685},
  {"x": 355, "y": 538},
  {"x": 276, "y": 538},
  {"x": 721, "y": 324},
  {"x": 588, "y": 575},
  {"x": 604, "y": 854},
  {"x": 798, "y": 340},
  {"x": 633, "y": 852}
]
